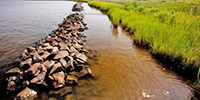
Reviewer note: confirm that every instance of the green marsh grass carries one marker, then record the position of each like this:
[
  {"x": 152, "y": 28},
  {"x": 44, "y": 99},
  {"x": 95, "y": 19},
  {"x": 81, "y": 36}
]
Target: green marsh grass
[{"x": 171, "y": 32}]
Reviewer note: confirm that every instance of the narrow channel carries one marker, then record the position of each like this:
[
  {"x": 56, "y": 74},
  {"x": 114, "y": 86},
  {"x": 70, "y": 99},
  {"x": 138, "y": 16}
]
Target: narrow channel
[{"x": 121, "y": 70}]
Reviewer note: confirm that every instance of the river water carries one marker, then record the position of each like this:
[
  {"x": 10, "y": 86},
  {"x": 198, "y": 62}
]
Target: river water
[{"x": 121, "y": 70}]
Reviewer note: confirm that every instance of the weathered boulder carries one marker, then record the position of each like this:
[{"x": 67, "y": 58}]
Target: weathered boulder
[
  {"x": 28, "y": 62},
  {"x": 59, "y": 79},
  {"x": 40, "y": 78},
  {"x": 31, "y": 49},
  {"x": 56, "y": 67},
  {"x": 63, "y": 46},
  {"x": 81, "y": 57},
  {"x": 83, "y": 72},
  {"x": 73, "y": 50},
  {"x": 26, "y": 94},
  {"x": 34, "y": 69},
  {"x": 48, "y": 64},
  {"x": 45, "y": 55},
  {"x": 61, "y": 54}
]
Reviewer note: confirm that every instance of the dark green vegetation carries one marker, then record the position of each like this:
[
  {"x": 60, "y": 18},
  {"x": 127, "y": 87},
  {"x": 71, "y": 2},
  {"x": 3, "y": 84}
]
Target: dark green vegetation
[{"x": 170, "y": 30}]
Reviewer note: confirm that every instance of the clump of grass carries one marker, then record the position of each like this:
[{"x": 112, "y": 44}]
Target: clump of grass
[
  {"x": 170, "y": 32},
  {"x": 105, "y": 5}
]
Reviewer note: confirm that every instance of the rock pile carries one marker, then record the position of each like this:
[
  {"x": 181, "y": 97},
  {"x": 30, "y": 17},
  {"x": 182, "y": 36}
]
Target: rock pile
[
  {"x": 56, "y": 61},
  {"x": 77, "y": 7}
]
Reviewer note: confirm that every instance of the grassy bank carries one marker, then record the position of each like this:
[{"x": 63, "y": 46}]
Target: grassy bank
[{"x": 170, "y": 30}]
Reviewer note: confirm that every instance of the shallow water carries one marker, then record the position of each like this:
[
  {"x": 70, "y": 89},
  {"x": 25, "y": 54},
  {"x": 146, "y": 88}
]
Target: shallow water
[{"x": 121, "y": 71}]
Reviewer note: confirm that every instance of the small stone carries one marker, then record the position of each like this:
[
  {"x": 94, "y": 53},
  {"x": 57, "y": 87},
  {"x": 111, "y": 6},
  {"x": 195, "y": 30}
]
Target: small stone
[
  {"x": 61, "y": 54},
  {"x": 48, "y": 39},
  {"x": 21, "y": 64},
  {"x": 49, "y": 48}
]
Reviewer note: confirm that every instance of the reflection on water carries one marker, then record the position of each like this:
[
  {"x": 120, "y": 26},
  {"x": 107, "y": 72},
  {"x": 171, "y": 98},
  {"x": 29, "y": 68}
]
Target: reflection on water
[{"x": 121, "y": 71}]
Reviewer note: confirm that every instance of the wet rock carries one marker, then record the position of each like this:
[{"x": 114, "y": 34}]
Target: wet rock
[
  {"x": 70, "y": 80},
  {"x": 24, "y": 56},
  {"x": 45, "y": 55},
  {"x": 69, "y": 62},
  {"x": 11, "y": 86},
  {"x": 48, "y": 64},
  {"x": 61, "y": 54},
  {"x": 77, "y": 7},
  {"x": 37, "y": 58},
  {"x": 81, "y": 57},
  {"x": 26, "y": 94},
  {"x": 13, "y": 71},
  {"x": 83, "y": 72},
  {"x": 59, "y": 79},
  {"x": 55, "y": 68}
]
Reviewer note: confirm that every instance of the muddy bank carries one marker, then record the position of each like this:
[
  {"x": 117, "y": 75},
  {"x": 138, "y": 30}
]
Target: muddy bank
[{"x": 55, "y": 62}]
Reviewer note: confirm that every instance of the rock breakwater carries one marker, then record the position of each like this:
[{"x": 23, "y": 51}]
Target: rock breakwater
[{"x": 55, "y": 61}]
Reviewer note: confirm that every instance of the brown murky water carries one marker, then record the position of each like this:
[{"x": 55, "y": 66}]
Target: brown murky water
[{"x": 121, "y": 71}]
